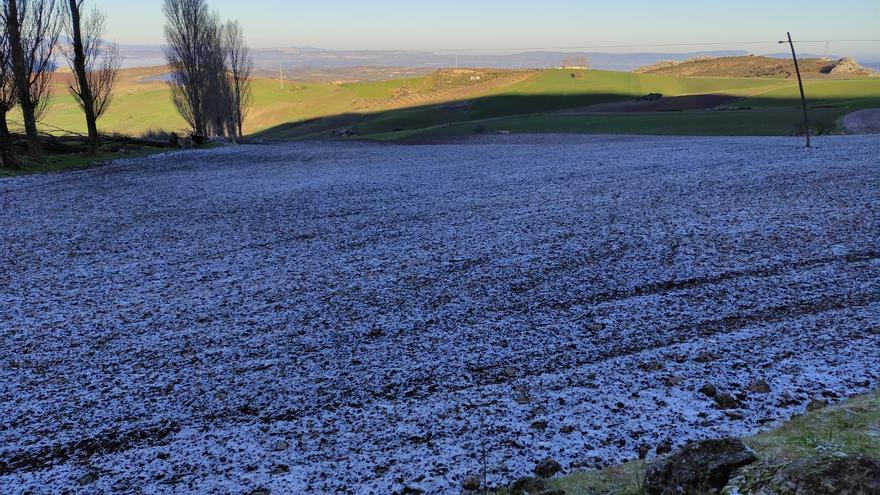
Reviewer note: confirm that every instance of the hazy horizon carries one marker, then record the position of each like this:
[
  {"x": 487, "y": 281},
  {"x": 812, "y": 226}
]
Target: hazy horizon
[
  {"x": 495, "y": 26},
  {"x": 294, "y": 60}
]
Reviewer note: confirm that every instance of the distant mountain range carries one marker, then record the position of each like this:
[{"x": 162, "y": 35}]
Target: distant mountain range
[
  {"x": 315, "y": 58},
  {"x": 293, "y": 58}
]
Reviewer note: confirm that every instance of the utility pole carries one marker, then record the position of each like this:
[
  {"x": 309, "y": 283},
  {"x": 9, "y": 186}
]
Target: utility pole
[
  {"x": 797, "y": 69},
  {"x": 281, "y": 77}
]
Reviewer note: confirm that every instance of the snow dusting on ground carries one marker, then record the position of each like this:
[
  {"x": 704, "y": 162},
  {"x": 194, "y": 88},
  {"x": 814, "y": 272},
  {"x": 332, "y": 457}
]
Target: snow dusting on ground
[{"x": 357, "y": 318}]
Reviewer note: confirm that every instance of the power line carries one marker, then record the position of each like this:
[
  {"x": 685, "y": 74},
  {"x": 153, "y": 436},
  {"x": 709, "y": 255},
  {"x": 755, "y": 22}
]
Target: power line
[{"x": 838, "y": 41}]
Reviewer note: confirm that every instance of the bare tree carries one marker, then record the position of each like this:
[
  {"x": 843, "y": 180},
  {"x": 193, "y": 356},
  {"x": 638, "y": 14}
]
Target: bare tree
[
  {"x": 190, "y": 30},
  {"x": 8, "y": 98},
  {"x": 218, "y": 94},
  {"x": 210, "y": 68},
  {"x": 95, "y": 65},
  {"x": 34, "y": 26},
  {"x": 241, "y": 65}
]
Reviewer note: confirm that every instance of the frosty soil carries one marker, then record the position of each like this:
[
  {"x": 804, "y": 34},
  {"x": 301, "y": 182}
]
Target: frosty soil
[{"x": 343, "y": 318}]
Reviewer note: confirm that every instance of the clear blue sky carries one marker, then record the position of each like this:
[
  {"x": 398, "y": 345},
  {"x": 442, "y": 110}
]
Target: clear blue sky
[{"x": 498, "y": 24}]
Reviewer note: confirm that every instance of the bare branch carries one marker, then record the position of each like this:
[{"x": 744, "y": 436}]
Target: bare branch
[
  {"x": 8, "y": 97},
  {"x": 97, "y": 72},
  {"x": 209, "y": 83},
  {"x": 34, "y": 27},
  {"x": 8, "y": 94},
  {"x": 241, "y": 65}
]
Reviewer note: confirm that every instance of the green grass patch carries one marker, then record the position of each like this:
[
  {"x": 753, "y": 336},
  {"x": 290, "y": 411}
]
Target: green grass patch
[
  {"x": 843, "y": 94},
  {"x": 61, "y": 162},
  {"x": 852, "y": 427},
  {"x": 768, "y": 107},
  {"x": 626, "y": 479},
  {"x": 770, "y": 122},
  {"x": 458, "y": 98}
]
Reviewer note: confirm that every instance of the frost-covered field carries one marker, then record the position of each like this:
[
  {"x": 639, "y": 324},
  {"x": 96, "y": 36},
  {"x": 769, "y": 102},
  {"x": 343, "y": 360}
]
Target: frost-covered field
[{"x": 353, "y": 318}]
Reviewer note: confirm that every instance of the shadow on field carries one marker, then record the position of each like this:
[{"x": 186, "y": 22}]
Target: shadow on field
[{"x": 708, "y": 114}]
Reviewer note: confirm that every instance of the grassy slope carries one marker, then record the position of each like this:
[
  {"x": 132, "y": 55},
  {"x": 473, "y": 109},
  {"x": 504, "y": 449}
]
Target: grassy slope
[
  {"x": 57, "y": 162},
  {"x": 516, "y": 102},
  {"x": 143, "y": 103},
  {"x": 142, "y": 106},
  {"x": 528, "y": 106},
  {"x": 598, "y": 82},
  {"x": 851, "y": 427},
  {"x": 385, "y": 89},
  {"x": 543, "y": 92},
  {"x": 561, "y": 91},
  {"x": 769, "y": 123},
  {"x": 776, "y": 108},
  {"x": 859, "y": 93}
]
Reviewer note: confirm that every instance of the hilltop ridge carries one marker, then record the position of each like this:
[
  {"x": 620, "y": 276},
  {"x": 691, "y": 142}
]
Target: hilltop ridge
[{"x": 757, "y": 66}]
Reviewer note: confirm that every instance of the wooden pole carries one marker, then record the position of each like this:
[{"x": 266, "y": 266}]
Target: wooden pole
[{"x": 797, "y": 69}]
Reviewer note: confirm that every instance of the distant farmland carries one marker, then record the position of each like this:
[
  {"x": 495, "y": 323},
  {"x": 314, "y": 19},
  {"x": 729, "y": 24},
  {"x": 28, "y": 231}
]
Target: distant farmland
[{"x": 452, "y": 102}]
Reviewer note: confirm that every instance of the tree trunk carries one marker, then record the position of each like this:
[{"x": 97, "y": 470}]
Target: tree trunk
[
  {"x": 85, "y": 90},
  {"x": 201, "y": 128},
  {"x": 93, "y": 133},
  {"x": 20, "y": 71},
  {"x": 7, "y": 154}
]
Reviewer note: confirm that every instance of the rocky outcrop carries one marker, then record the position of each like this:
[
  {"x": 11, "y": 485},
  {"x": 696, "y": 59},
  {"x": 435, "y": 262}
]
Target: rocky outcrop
[
  {"x": 848, "y": 65},
  {"x": 830, "y": 474},
  {"x": 699, "y": 467}
]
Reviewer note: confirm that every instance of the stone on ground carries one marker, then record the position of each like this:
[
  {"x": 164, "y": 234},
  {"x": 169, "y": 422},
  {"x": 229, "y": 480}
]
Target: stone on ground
[{"x": 699, "y": 467}]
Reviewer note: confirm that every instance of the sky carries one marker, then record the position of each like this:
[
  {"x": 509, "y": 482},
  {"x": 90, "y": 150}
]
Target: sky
[{"x": 512, "y": 24}]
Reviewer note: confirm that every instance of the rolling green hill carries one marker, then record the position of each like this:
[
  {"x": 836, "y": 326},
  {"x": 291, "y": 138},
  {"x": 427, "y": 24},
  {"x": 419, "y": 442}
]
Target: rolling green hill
[
  {"x": 462, "y": 101},
  {"x": 605, "y": 102}
]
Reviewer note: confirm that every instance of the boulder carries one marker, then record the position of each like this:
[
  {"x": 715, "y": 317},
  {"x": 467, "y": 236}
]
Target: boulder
[
  {"x": 726, "y": 401},
  {"x": 699, "y": 467},
  {"x": 528, "y": 485},
  {"x": 547, "y": 468},
  {"x": 664, "y": 447},
  {"x": 828, "y": 474},
  {"x": 708, "y": 390},
  {"x": 471, "y": 483},
  {"x": 87, "y": 479},
  {"x": 760, "y": 387}
]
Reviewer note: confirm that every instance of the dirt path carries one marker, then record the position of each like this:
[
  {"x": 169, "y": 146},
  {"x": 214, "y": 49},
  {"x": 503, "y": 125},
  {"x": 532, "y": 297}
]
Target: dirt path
[{"x": 863, "y": 121}]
